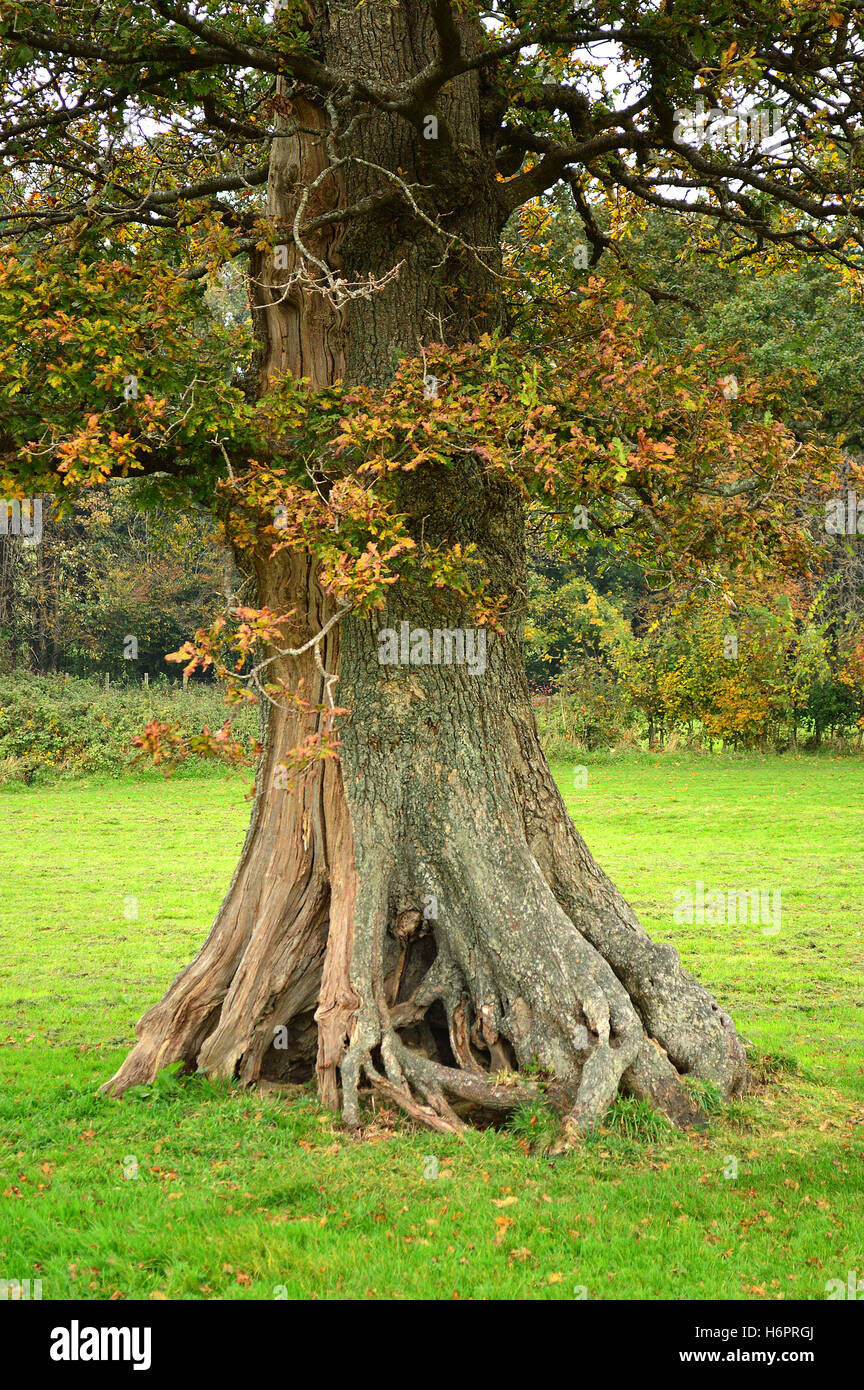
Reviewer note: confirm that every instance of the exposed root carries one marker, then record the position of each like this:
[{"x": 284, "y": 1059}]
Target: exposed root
[
  {"x": 435, "y": 1114},
  {"x": 677, "y": 1012},
  {"x": 598, "y": 1033},
  {"x": 531, "y": 979}
]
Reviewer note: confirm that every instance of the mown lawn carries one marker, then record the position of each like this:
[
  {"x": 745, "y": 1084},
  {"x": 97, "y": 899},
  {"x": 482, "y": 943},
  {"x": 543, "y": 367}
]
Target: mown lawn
[{"x": 196, "y": 1191}]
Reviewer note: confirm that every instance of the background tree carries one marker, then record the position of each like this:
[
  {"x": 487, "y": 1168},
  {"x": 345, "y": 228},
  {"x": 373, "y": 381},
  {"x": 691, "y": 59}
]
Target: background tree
[
  {"x": 420, "y": 915},
  {"x": 107, "y": 571}
]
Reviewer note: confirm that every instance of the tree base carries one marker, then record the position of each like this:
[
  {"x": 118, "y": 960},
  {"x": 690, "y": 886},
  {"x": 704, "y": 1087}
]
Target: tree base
[
  {"x": 525, "y": 977},
  {"x": 422, "y": 917}
]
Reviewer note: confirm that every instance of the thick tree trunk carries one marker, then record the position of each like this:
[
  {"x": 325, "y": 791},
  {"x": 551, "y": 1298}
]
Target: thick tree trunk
[{"x": 422, "y": 916}]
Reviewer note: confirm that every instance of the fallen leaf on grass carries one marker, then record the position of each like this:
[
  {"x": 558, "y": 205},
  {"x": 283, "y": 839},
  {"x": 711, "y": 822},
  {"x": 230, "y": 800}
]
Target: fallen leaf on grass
[{"x": 502, "y": 1222}]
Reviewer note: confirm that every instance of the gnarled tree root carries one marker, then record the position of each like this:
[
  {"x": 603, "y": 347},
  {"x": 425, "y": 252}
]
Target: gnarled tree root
[{"x": 503, "y": 971}]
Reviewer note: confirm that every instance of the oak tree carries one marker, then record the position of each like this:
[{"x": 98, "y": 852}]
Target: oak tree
[{"x": 413, "y": 909}]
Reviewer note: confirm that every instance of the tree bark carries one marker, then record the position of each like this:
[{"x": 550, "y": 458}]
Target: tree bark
[{"x": 420, "y": 917}]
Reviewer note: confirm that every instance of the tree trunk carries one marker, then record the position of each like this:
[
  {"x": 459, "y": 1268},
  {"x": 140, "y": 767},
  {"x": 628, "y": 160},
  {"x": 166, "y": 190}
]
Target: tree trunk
[
  {"x": 422, "y": 916},
  {"x": 10, "y": 600}
]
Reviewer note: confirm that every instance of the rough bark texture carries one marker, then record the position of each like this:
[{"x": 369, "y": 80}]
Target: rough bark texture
[{"x": 423, "y": 918}]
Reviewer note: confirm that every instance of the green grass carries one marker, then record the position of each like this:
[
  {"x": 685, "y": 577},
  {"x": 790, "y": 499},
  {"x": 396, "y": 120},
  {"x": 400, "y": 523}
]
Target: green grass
[{"x": 240, "y": 1195}]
